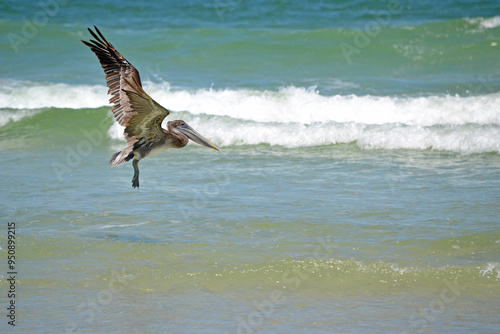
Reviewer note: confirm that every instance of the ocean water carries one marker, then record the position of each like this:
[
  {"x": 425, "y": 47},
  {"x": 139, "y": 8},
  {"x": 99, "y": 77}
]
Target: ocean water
[{"x": 356, "y": 190}]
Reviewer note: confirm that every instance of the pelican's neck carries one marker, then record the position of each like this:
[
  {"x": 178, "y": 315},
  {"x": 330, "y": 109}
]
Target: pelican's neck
[{"x": 175, "y": 139}]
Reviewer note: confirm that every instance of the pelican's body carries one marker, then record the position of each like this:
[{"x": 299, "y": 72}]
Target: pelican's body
[{"x": 137, "y": 111}]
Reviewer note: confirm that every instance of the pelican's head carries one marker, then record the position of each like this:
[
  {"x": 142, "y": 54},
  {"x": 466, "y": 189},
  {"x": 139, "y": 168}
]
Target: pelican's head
[{"x": 181, "y": 127}]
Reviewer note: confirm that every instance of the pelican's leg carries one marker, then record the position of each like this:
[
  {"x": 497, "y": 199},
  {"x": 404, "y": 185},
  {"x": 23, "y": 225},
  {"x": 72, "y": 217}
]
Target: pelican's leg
[{"x": 135, "y": 179}]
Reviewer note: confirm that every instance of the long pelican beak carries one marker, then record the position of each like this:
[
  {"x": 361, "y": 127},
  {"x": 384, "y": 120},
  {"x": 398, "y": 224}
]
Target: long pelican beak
[{"x": 195, "y": 136}]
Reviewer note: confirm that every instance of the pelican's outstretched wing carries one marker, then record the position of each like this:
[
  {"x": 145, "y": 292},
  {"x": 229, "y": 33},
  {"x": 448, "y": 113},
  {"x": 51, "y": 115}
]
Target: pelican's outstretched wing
[{"x": 132, "y": 107}]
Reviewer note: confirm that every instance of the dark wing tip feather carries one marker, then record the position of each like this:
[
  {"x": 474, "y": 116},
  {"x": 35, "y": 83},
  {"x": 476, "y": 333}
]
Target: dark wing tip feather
[
  {"x": 95, "y": 36},
  {"x": 100, "y": 40},
  {"x": 99, "y": 33}
]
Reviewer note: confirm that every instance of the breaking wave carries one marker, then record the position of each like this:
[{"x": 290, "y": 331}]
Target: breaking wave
[{"x": 292, "y": 116}]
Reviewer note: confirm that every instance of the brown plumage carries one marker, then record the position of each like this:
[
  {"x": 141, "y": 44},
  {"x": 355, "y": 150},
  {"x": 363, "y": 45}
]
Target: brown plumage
[{"x": 134, "y": 109}]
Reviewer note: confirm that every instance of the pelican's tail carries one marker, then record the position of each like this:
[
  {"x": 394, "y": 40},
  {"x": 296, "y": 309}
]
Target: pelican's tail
[{"x": 123, "y": 156}]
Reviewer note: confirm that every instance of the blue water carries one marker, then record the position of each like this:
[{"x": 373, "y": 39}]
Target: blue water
[{"x": 356, "y": 189}]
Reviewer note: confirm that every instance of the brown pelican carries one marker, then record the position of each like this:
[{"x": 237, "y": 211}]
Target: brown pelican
[{"x": 137, "y": 111}]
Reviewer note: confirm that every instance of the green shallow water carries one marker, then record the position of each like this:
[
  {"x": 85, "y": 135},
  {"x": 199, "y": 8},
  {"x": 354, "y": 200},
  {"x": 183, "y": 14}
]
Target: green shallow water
[{"x": 152, "y": 266}]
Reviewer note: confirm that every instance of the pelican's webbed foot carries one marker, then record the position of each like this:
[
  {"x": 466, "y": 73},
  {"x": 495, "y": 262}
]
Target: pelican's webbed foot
[{"x": 135, "y": 179}]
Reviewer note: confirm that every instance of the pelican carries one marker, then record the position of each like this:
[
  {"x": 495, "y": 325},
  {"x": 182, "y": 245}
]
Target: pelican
[{"x": 134, "y": 109}]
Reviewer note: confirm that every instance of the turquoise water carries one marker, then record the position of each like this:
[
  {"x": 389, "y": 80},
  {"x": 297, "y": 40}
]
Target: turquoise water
[{"x": 356, "y": 189}]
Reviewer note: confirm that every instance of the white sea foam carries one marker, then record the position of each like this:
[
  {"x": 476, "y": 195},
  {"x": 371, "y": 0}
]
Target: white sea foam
[
  {"x": 489, "y": 23},
  {"x": 464, "y": 139},
  {"x": 492, "y": 269},
  {"x": 307, "y": 106},
  {"x": 296, "y": 117},
  {"x": 29, "y": 95},
  {"x": 7, "y": 116},
  {"x": 483, "y": 23}
]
